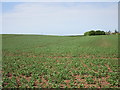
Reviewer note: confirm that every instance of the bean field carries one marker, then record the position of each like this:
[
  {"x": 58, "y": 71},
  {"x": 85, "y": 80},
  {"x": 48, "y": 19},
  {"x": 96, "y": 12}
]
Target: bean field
[{"x": 43, "y": 61}]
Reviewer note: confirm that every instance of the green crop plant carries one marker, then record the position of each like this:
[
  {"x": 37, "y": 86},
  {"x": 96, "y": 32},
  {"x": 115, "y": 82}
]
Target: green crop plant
[{"x": 52, "y": 60}]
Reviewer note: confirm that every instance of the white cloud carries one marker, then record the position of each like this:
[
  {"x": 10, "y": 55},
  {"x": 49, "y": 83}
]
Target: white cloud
[{"x": 51, "y": 18}]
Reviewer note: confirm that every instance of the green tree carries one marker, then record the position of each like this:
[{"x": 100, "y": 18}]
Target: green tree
[
  {"x": 116, "y": 31},
  {"x": 92, "y": 32}
]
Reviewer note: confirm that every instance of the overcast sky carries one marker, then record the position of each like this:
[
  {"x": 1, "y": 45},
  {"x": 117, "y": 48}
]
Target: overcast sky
[{"x": 58, "y": 18}]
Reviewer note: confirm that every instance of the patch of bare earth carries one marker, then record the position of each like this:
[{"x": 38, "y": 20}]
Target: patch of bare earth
[
  {"x": 9, "y": 75},
  {"x": 44, "y": 83},
  {"x": 67, "y": 83},
  {"x": 36, "y": 83},
  {"x": 62, "y": 85},
  {"x": 109, "y": 69},
  {"x": 1, "y": 72},
  {"x": 5, "y": 84},
  {"x": 28, "y": 78},
  {"x": 79, "y": 78},
  {"x": 88, "y": 67},
  {"x": 55, "y": 57},
  {"x": 98, "y": 82},
  {"x": 102, "y": 81},
  {"x": 18, "y": 81}
]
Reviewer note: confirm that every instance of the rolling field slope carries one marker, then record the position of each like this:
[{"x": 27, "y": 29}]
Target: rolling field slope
[{"x": 38, "y": 61}]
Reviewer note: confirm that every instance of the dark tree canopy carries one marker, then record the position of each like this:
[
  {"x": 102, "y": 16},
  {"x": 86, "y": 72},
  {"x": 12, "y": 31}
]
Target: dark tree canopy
[
  {"x": 116, "y": 31},
  {"x": 92, "y": 32}
]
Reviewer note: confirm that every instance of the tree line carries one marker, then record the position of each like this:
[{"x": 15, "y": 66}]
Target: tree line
[{"x": 99, "y": 32}]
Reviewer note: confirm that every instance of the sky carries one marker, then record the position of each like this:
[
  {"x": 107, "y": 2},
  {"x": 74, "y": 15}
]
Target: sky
[{"x": 58, "y": 18}]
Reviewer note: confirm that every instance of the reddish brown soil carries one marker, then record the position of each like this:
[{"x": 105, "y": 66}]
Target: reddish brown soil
[
  {"x": 18, "y": 81},
  {"x": 67, "y": 83},
  {"x": 82, "y": 56},
  {"x": 9, "y": 75},
  {"x": 109, "y": 69},
  {"x": 78, "y": 79}
]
